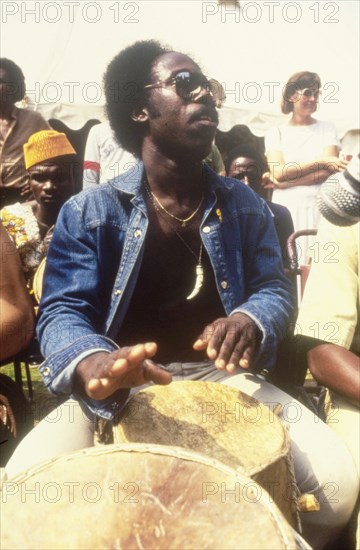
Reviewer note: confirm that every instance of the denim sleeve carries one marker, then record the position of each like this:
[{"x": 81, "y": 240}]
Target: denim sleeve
[
  {"x": 270, "y": 302},
  {"x": 71, "y": 307},
  {"x": 59, "y": 379}
]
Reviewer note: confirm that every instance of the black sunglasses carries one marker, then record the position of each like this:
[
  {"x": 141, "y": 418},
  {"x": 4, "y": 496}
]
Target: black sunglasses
[{"x": 189, "y": 85}]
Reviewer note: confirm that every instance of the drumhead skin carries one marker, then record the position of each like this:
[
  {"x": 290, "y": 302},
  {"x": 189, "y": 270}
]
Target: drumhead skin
[
  {"x": 205, "y": 417},
  {"x": 136, "y": 496},
  {"x": 220, "y": 422}
]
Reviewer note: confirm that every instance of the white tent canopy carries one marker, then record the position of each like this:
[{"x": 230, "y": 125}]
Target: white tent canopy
[{"x": 63, "y": 48}]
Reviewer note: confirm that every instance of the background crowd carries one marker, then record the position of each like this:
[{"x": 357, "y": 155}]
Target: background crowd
[{"x": 37, "y": 177}]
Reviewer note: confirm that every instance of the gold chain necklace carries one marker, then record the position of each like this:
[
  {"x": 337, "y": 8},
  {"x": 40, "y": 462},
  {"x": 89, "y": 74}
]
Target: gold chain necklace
[
  {"x": 199, "y": 270},
  {"x": 183, "y": 221}
]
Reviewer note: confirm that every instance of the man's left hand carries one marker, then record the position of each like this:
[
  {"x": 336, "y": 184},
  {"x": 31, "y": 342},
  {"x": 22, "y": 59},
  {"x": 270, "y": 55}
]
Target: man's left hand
[{"x": 230, "y": 341}]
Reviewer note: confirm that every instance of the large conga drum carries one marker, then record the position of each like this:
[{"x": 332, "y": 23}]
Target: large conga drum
[
  {"x": 219, "y": 422},
  {"x": 137, "y": 496}
]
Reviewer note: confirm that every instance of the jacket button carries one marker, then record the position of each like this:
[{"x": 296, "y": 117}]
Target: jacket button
[
  {"x": 224, "y": 284},
  {"x": 117, "y": 292},
  {"x": 46, "y": 371},
  {"x": 206, "y": 229},
  {"x": 138, "y": 233}
]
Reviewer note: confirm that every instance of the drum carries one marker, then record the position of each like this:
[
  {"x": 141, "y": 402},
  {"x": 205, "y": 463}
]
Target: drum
[
  {"x": 137, "y": 496},
  {"x": 219, "y": 422}
]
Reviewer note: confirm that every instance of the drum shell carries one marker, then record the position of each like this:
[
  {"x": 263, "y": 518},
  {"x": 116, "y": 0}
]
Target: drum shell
[{"x": 220, "y": 422}]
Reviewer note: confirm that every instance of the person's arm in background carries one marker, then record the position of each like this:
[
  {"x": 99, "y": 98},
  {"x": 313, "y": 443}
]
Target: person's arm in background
[
  {"x": 337, "y": 368},
  {"x": 285, "y": 175},
  {"x": 17, "y": 312},
  {"x": 91, "y": 167},
  {"x": 328, "y": 317},
  {"x": 291, "y": 174}
]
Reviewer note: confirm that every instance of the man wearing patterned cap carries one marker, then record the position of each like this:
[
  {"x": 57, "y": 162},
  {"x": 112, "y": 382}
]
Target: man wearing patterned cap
[{"x": 49, "y": 161}]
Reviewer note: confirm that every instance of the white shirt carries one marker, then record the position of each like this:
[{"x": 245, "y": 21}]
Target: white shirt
[{"x": 104, "y": 158}]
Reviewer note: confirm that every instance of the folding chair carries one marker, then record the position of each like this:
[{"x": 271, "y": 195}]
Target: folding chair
[{"x": 298, "y": 272}]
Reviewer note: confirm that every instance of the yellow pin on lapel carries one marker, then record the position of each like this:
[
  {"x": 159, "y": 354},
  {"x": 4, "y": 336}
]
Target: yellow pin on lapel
[{"x": 219, "y": 214}]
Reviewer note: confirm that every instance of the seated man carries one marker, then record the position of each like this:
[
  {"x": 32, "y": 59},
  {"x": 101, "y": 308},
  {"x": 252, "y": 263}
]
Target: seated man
[
  {"x": 330, "y": 328},
  {"x": 50, "y": 162},
  {"x": 168, "y": 270},
  {"x": 245, "y": 163},
  {"x": 17, "y": 125}
]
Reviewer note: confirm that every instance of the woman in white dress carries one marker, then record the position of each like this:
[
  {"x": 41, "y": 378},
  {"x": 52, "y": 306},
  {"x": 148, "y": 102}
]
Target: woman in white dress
[{"x": 302, "y": 153}]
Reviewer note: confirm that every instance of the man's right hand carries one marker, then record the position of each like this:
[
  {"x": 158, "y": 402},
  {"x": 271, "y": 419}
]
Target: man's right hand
[{"x": 101, "y": 374}]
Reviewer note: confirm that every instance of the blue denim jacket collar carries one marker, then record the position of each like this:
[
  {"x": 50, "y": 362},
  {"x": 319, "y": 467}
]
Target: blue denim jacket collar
[{"x": 131, "y": 183}]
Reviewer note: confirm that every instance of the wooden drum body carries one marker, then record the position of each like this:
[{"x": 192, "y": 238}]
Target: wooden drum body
[
  {"x": 219, "y": 422},
  {"x": 136, "y": 496}
]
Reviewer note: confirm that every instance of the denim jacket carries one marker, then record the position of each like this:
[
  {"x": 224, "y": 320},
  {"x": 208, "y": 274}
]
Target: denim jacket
[{"x": 95, "y": 256}]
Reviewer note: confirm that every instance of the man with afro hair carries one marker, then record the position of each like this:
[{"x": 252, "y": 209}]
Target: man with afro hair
[{"x": 170, "y": 271}]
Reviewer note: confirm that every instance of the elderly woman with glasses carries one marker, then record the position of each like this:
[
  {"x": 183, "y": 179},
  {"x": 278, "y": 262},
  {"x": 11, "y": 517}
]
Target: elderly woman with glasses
[{"x": 301, "y": 153}]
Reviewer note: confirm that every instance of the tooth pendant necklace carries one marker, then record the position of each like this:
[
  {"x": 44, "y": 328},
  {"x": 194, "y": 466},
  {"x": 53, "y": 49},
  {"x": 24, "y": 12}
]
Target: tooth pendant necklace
[{"x": 199, "y": 270}]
